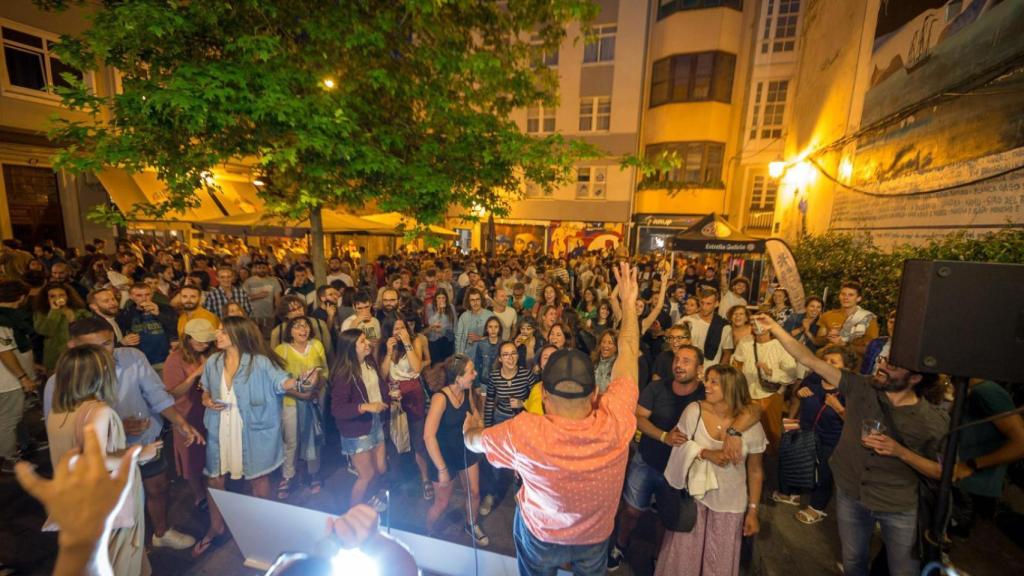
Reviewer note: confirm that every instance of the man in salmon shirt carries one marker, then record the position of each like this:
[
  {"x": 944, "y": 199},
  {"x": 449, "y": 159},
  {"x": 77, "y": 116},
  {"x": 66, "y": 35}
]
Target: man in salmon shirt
[{"x": 572, "y": 460}]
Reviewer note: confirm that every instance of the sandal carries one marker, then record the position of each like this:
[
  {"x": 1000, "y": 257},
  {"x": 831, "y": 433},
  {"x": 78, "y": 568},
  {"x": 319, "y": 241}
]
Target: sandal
[
  {"x": 789, "y": 499},
  {"x": 810, "y": 516},
  {"x": 428, "y": 490},
  {"x": 314, "y": 486},
  {"x": 208, "y": 542},
  {"x": 284, "y": 489}
]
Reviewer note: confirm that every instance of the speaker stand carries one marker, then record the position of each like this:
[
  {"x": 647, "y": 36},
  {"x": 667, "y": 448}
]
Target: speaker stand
[{"x": 935, "y": 536}]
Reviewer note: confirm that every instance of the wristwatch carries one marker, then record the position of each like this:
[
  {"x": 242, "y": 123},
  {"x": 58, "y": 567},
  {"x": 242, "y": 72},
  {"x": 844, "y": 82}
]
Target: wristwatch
[
  {"x": 733, "y": 432},
  {"x": 972, "y": 464}
]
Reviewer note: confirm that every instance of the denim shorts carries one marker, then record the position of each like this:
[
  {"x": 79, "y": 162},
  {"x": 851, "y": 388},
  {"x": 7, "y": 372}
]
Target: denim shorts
[
  {"x": 641, "y": 483},
  {"x": 350, "y": 446}
]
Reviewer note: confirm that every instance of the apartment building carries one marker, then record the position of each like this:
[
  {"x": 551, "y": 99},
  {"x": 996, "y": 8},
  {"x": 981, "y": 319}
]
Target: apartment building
[
  {"x": 715, "y": 100},
  {"x": 599, "y": 102},
  {"x": 37, "y": 203}
]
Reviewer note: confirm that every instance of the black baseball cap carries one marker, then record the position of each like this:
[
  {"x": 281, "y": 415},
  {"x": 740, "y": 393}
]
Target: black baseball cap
[{"x": 568, "y": 365}]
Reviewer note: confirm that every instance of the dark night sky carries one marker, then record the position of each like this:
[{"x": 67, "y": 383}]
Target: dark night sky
[{"x": 895, "y": 13}]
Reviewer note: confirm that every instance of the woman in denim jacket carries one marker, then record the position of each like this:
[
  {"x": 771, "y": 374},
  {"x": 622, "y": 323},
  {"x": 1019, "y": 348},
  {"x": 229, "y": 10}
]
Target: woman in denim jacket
[{"x": 243, "y": 385}]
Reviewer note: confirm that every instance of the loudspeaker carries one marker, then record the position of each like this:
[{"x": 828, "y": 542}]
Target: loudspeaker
[{"x": 962, "y": 319}]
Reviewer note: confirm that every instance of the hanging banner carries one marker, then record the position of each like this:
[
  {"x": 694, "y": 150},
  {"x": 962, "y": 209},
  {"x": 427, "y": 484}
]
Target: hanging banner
[{"x": 786, "y": 271}]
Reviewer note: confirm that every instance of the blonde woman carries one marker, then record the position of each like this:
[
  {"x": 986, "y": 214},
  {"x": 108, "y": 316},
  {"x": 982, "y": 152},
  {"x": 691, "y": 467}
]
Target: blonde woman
[{"x": 84, "y": 382}]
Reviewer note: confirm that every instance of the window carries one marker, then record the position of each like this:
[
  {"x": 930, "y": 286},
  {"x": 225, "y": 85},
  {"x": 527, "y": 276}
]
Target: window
[
  {"x": 591, "y": 182},
  {"x": 32, "y": 66},
  {"x": 762, "y": 203},
  {"x": 697, "y": 77},
  {"x": 769, "y": 109},
  {"x": 780, "y": 22},
  {"x": 595, "y": 114},
  {"x": 540, "y": 120},
  {"x": 602, "y": 48},
  {"x": 669, "y": 7},
  {"x": 699, "y": 163},
  {"x": 544, "y": 56},
  {"x": 534, "y": 190}
]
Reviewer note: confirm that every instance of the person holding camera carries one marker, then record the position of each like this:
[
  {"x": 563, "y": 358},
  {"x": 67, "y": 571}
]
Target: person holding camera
[{"x": 768, "y": 369}]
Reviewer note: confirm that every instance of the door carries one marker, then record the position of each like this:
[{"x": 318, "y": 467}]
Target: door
[{"x": 34, "y": 203}]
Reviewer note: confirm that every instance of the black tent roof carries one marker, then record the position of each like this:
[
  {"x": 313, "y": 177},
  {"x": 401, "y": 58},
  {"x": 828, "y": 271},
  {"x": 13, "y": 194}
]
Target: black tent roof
[{"x": 713, "y": 234}]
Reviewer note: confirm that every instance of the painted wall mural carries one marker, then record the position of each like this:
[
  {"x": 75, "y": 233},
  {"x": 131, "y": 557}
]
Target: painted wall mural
[{"x": 959, "y": 53}]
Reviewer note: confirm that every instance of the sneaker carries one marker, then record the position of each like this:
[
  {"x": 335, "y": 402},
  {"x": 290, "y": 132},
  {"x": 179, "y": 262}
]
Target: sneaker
[
  {"x": 478, "y": 534},
  {"x": 174, "y": 540},
  {"x": 487, "y": 506},
  {"x": 615, "y": 557}
]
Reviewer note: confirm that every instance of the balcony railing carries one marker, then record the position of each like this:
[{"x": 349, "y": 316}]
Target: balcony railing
[{"x": 760, "y": 220}]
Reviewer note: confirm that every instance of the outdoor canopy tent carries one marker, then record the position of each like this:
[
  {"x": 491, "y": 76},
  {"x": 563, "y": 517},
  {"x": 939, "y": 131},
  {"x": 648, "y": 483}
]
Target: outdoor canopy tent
[{"x": 712, "y": 234}]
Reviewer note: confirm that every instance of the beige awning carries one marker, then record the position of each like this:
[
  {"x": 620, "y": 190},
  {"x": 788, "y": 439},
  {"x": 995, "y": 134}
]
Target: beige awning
[
  {"x": 131, "y": 190},
  {"x": 403, "y": 223},
  {"x": 261, "y": 223}
]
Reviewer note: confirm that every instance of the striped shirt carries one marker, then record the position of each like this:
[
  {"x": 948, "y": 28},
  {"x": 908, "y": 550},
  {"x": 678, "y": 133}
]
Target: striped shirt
[{"x": 500, "y": 390}]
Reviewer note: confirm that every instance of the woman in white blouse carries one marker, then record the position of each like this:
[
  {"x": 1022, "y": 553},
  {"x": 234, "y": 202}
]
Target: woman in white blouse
[{"x": 728, "y": 512}]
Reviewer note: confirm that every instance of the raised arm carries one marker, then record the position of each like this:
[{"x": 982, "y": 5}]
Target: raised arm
[
  {"x": 656, "y": 310},
  {"x": 629, "y": 331},
  {"x": 613, "y": 299},
  {"x": 797, "y": 350}
]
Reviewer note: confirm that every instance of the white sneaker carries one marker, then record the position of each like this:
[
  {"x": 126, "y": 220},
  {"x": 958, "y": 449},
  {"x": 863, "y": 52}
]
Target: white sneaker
[
  {"x": 174, "y": 540},
  {"x": 487, "y": 506}
]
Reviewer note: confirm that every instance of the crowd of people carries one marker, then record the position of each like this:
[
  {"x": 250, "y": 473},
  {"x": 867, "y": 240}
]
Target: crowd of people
[{"x": 595, "y": 386}]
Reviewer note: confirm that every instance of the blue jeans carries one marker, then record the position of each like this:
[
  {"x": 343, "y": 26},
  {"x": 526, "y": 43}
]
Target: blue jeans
[
  {"x": 899, "y": 532},
  {"x": 538, "y": 558}
]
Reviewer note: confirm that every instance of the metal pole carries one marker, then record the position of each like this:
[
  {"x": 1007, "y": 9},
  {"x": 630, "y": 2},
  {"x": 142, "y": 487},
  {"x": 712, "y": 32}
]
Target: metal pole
[{"x": 936, "y": 535}]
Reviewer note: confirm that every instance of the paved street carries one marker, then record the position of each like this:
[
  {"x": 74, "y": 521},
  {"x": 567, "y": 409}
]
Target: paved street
[{"x": 784, "y": 546}]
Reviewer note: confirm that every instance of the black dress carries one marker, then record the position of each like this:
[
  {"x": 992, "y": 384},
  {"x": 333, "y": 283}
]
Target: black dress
[{"x": 450, "y": 438}]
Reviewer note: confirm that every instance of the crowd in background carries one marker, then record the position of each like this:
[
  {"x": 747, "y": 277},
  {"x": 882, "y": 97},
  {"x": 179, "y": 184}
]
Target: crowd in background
[{"x": 231, "y": 362}]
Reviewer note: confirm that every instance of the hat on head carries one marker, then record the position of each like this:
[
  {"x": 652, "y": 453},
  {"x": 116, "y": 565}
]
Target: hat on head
[
  {"x": 569, "y": 365},
  {"x": 200, "y": 330}
]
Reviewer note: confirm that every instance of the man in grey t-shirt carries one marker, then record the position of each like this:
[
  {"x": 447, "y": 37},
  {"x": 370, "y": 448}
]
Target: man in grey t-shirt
[
  {"x": 877, "y": 474},
  {"x": 264, "y": 293}
]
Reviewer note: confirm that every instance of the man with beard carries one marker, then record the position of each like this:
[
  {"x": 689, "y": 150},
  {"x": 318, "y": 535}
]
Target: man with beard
[
  {"x": 104, "y": 304},
  {"x": 60, "y": 273},
  {"x": 264, "y": 294},
  {"x": 876, "y": 473},
  {"x": 389, "y": 306},
  {"x": 658, "y": 411},
  {"x": 339, "y": 270},
  {"x": 189, "y": 298}
]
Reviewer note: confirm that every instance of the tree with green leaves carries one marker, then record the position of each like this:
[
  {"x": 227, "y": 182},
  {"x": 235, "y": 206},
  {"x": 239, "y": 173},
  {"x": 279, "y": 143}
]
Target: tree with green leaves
[{"x": 404, "y": 104}]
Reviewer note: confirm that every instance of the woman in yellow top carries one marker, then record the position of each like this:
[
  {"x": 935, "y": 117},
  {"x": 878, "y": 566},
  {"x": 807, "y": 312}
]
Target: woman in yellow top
[
  {"x": 301, "y": 417},
  {"x": 535, "y": 402}
]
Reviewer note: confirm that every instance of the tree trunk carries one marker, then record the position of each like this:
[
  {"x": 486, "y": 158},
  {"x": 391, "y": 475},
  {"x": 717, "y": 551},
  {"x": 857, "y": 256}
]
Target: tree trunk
[
  {"x": 491, "y": 236},
  {"x": 316, "y": 246}
]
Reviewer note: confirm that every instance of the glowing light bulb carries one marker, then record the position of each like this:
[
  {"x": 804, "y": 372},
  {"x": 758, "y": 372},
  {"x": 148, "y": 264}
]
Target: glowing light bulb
[
  {"x": 776, "y": 168},
  {"x": 328, "y": 83}
]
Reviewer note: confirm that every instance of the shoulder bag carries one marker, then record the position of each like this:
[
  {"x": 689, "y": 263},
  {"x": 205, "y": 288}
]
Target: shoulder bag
[{"x": 677, "y": 509}]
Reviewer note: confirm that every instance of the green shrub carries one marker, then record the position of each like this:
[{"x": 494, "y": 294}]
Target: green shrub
[{"x": 827, "y": 260}]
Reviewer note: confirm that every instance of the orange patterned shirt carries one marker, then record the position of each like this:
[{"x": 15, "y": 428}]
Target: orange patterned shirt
[{"x": 572, "y": 470}]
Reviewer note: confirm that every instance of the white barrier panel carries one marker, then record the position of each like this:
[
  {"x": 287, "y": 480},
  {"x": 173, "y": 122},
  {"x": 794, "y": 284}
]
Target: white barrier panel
[{"x": 263, "y": 529}]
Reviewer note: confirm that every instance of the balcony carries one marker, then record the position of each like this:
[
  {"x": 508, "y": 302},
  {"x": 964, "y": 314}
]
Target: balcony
[{"x": 759, "y": 220}]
